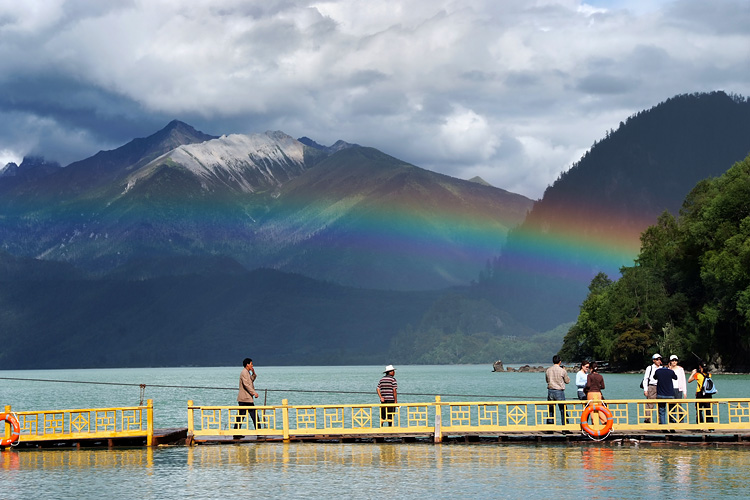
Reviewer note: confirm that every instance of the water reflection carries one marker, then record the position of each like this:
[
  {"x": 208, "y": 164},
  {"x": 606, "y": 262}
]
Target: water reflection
[
  {"x": 76, "y": 459},
  {"x": 598, "y": 465},
  {"x": 598, "y": 470}
]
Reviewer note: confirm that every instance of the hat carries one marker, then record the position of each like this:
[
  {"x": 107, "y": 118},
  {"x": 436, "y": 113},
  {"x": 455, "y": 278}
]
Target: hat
[
  {"x": 656, "y": 356},
  {"x": 673, "y": 357},
  {"x": 389, "y": 368}
]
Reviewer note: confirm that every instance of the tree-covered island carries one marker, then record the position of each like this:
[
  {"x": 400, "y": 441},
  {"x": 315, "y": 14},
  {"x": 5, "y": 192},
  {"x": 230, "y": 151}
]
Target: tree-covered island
[{"x": 688, "y": 292}]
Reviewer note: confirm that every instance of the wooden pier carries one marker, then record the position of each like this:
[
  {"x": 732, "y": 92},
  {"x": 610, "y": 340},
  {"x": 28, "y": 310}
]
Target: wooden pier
[
  {"x": 120, "y": 426},
  {"x": 623, "y": 439},
  {"x": 687, "y": 421},
  {"x": 721, "y": 420}
]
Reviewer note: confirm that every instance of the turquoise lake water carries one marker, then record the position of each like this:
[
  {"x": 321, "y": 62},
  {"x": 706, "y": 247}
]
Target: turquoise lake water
[{"x": 357, "y": 470}]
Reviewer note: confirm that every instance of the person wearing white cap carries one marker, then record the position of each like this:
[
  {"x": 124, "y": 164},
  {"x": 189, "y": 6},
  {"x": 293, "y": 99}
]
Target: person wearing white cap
[
  {"x": 649, "y": 384},
  {"x": 680, "y": 385},
  {"x": 388, "y": 393}
]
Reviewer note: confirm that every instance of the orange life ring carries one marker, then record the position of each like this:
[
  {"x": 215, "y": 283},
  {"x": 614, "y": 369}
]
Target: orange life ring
[
  {"x": 586, "y": 427},
  {"x": 16, "y": 434}
]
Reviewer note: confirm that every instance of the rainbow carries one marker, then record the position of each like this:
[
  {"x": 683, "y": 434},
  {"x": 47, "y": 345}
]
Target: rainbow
[
  {"x": 398, "y": 237},
  {"x": 575, "y": 244}
]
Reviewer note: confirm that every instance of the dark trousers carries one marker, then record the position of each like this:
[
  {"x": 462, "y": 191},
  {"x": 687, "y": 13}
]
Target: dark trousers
[
  {"x": 702, "y": 408},
  {"x": 241, "y": 414},
  {"x": 386, "y": 414}
]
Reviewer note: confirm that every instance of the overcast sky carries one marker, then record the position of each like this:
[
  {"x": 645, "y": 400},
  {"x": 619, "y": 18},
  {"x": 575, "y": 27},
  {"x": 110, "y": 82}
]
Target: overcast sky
[{"x": 514, "y": 91}]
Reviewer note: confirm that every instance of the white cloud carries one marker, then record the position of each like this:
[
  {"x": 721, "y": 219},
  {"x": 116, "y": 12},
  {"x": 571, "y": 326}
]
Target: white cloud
[
  {"x": 516, "y": 90},
  {"x": 466, "y": 136},
  {"x": 27, "y": 18},
  {"x": 7, "y": 156}
]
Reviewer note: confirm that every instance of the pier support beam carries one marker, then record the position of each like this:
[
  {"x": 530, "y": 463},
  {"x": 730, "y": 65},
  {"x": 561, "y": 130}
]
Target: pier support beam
[
  {"x": 190, "y": 439},
  {"x": 438, "y": 436}
]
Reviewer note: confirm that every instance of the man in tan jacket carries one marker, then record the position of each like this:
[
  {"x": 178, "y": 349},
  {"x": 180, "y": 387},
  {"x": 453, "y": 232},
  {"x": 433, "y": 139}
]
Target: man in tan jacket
[
  {"x": 557, "y": 377},
  {"x": 246, "y": 394}
]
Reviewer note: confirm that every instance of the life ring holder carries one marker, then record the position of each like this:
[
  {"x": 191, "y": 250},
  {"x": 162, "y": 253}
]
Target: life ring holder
[
  {"x": 11, "y": 419},
  {"x": 601, "y": 434}
]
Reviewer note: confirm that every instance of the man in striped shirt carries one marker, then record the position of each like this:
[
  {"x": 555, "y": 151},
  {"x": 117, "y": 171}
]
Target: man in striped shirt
[{"x": 387, "y": 391}]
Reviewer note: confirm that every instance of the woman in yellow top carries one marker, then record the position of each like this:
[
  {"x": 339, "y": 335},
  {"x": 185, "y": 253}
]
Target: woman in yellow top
[{"x": 702, "y": 409}]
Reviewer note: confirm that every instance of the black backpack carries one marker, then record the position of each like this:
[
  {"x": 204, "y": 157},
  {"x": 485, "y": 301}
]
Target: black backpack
[{"x": 651, "y": 367}]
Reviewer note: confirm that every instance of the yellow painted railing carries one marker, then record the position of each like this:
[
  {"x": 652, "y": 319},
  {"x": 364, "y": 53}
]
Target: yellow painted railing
[
  {"x": 440, "y": 418},
  {"x": 84, "y": 424},
  {"x": 627, "y": 414},
  {"x": 310, "y": 420}
]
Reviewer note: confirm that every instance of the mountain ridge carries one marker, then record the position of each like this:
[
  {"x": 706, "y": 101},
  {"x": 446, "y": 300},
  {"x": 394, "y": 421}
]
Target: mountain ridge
[
  {"x": 246, "y": 163},
  {"x": 89, "y": 175},
  {"x": 593, "y": 215},
  {"x": 172, "y": 267},
  {"x": 427, "y": 213},
  {"x": 254, "y": 198}
]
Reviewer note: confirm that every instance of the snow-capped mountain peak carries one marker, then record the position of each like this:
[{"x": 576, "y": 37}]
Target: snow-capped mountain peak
[{"x": 239, "y": 162}]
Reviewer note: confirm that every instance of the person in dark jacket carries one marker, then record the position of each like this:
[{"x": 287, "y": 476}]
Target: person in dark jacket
[
  {"x": 593, "y": 388},
  {"x": 664, "y": 389}
]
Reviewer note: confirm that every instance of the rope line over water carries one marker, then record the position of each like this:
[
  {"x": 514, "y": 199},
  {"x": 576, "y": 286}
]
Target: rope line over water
[{"x": 313, "y": 391}]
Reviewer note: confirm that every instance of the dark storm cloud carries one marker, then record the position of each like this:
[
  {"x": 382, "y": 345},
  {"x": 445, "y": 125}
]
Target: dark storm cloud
[
  {"x": 61, "y": 106},
  {"x": 72, "y": 104}
]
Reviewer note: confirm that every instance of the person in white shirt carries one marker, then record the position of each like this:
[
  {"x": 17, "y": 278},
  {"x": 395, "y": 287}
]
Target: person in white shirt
[
  {"x": 649, "y": 385},
  {"x": 581, "y": 379},
  {"x": 680, "y": 385}
]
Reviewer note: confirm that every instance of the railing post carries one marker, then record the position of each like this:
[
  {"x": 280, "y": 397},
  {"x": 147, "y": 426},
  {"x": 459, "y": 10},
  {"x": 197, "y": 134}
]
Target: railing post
[
  {"x": 150, "y": 422},
  {"x": 438, "y": 420},
  {"x": 191, "y": 424},
  {"x": 285, "y": 419},
  {"x": 7, "y": 427}
]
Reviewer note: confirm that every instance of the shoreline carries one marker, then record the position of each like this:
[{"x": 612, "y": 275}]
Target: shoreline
[{"x": 529, "y": 368}]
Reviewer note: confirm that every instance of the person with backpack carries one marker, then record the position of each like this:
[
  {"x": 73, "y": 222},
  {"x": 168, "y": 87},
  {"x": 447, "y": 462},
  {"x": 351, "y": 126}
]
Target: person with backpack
[
  {"x": 704, "y": 389},
  {"x": 649, "y": 385}
]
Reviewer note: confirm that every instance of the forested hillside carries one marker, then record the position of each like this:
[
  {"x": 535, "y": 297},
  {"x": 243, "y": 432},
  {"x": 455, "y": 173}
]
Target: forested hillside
[
  {"x": 52, "y": 318},
  {"x": 591, "y": 218},
  {"x": 465, "y": 329},
  {"x": 688, "y": 292}
]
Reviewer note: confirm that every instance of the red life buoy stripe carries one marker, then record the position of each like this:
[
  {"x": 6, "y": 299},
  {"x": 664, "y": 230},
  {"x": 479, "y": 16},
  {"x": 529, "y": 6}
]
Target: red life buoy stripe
[
  {"x": 601, "y": 409},
  {"x": 16, "y": 434}
]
